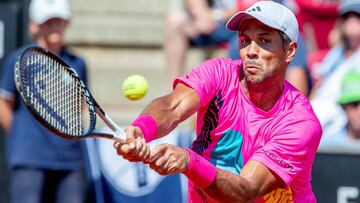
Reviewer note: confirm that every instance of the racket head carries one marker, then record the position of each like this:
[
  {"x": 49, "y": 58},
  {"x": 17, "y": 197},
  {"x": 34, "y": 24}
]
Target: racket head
[{"x": 54, "y": 94}]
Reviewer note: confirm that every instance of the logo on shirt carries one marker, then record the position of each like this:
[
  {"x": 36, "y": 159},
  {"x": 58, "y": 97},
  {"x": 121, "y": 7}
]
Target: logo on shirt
[
  {"x": 274, "y": 157},
  {"x": 211, "y": 119}
]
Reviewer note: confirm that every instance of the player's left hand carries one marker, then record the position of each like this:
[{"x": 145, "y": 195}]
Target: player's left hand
[{"x": 168, "y": 159}]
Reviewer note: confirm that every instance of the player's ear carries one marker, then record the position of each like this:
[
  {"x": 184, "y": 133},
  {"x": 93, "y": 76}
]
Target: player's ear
[{"x": 292, "y": 47}]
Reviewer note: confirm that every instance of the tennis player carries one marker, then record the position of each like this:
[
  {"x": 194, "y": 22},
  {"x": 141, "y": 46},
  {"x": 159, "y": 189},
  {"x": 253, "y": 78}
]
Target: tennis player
[{"x": 256, "y": 134}]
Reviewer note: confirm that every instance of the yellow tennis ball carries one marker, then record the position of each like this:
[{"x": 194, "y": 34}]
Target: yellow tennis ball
[{"x": 135, "y": 87}]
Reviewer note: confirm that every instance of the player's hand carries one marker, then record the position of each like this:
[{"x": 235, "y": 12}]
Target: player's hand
[
  {"x": 169, "y": 159},
  {"x": 135, "y": 149}
]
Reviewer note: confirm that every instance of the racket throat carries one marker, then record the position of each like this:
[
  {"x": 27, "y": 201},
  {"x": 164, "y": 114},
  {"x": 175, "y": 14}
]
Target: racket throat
[{"x": 119, "y": 134}]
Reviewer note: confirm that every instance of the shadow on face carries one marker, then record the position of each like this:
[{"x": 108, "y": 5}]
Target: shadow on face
[{"x": 262, "y": 51}]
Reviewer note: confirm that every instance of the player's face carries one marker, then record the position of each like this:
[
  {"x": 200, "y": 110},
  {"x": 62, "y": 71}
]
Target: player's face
[
  {"x": 262, "y": 52},
  {"x": 353, "y": 112}
]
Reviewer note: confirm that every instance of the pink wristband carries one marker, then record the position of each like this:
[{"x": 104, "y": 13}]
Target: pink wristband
[
  {"x": 200, "y": 171},
  {"x": 148, "y": 126}
]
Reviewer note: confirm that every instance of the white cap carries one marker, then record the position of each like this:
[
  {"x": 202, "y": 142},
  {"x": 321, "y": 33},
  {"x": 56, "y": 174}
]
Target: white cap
[
  {"x": 271, "y": 14},
  {"x": 347, "y": 6},
  {"x": 42, "y": 10}
]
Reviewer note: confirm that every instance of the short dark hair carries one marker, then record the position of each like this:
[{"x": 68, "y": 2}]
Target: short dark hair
[{"x": 284, "y": 39}]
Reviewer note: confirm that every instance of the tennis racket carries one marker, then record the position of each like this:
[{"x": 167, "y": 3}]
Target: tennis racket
[{"x": 58, "y": 99}]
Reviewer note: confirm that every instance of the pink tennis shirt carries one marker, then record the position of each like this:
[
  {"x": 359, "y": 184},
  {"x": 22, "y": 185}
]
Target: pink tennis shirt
[{"x": 231, "y": 131}]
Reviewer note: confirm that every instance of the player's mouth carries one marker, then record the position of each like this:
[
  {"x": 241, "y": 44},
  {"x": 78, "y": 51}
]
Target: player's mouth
[{"x": 251, "y": 68}]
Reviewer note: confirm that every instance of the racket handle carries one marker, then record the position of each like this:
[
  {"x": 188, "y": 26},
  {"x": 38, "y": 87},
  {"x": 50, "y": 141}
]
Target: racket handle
[{"x": 119, "y": 136}]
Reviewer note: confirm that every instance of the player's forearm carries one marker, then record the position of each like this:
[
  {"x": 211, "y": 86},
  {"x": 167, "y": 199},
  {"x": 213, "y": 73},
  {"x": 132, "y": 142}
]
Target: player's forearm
[
  {"x": 229, "y": 187},
  {"x": 255, "y": 180},
  {"x": 163, "y": 114},
  {"x": 218, "y": 184},
  {"x": 167, "y": 114}
]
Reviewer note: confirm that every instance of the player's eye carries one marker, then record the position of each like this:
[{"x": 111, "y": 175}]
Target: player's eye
[
  {"x": 243, "y": 41},
  {"x": 265, "y": 41}
]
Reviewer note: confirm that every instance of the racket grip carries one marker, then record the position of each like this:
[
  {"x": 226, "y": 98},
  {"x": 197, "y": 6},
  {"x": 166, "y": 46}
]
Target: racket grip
[{"x": 119, "y": 136}]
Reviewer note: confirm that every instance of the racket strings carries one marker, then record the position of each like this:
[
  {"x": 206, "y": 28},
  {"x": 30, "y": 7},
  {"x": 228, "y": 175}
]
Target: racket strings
[{"x": 56, "y": 94}]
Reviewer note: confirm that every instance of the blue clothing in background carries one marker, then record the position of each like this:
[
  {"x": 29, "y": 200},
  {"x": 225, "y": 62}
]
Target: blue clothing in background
[
  {"x": 29, "y": 143},
  {"x": 219, "y": 35}
]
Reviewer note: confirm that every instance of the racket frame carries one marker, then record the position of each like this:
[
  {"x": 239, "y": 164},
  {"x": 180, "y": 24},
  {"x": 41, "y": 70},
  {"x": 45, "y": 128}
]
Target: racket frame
[{"x": 94, "y": 108}]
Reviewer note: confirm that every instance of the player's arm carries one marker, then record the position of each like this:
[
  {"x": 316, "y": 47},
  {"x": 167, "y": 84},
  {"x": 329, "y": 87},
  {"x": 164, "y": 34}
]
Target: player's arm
[
  {"x": 6, "y": 112},
  {"x": 254, "y": 181},
  {"x": 168, "y": 111},
  {"x": 159, "y": 118}
]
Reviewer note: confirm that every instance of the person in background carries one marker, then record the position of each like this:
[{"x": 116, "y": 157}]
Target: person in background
[
  {"x": 340, "y": 59},
  {"x": 349, "y": 101},
  {"x": 202, "y": 24},
  {"x": 348, "y": 30},
  {"x": 43, "y": 167}
]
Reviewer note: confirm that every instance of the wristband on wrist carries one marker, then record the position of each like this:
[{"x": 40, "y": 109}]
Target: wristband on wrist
[
  {"x": 148, "y": 126},
  {"x": 200, "y": 171}
]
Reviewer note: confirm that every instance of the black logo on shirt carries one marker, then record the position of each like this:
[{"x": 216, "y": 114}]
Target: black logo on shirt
[{"x": 211, "y": 119}]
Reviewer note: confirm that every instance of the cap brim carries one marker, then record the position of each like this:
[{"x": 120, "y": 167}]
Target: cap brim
[
  {"x": 235, "y": 20},
  {"x": 349, "y": 98}
]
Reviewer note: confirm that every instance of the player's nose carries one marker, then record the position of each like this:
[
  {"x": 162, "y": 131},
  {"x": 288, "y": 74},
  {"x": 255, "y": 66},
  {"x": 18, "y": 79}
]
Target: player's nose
[{"x": 252, "y": 50}]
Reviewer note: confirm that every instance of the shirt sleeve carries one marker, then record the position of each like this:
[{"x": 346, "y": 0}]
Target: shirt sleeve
[
  {"x": 83, "y": 73},
  {"x": 291, "y": 151},
  {"x": 7, "y": 85},
  {"x": 204, "y": 79}
]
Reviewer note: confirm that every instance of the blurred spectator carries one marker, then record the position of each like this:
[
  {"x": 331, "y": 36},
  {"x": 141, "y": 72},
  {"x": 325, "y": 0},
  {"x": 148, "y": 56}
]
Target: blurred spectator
[
  {"x": 202, "y": 24},
  {"x": 349, "y": 35},
  {"x": 316, "y": 19},
  {"x": 340, "y": 60},
  {"x": 350, "y": 102},
  {"x": 43, "y": 167}
]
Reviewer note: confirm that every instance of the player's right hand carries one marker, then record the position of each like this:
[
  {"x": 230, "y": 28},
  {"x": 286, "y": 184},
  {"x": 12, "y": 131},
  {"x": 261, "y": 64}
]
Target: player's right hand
[{"x": 135, "y": 148}]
